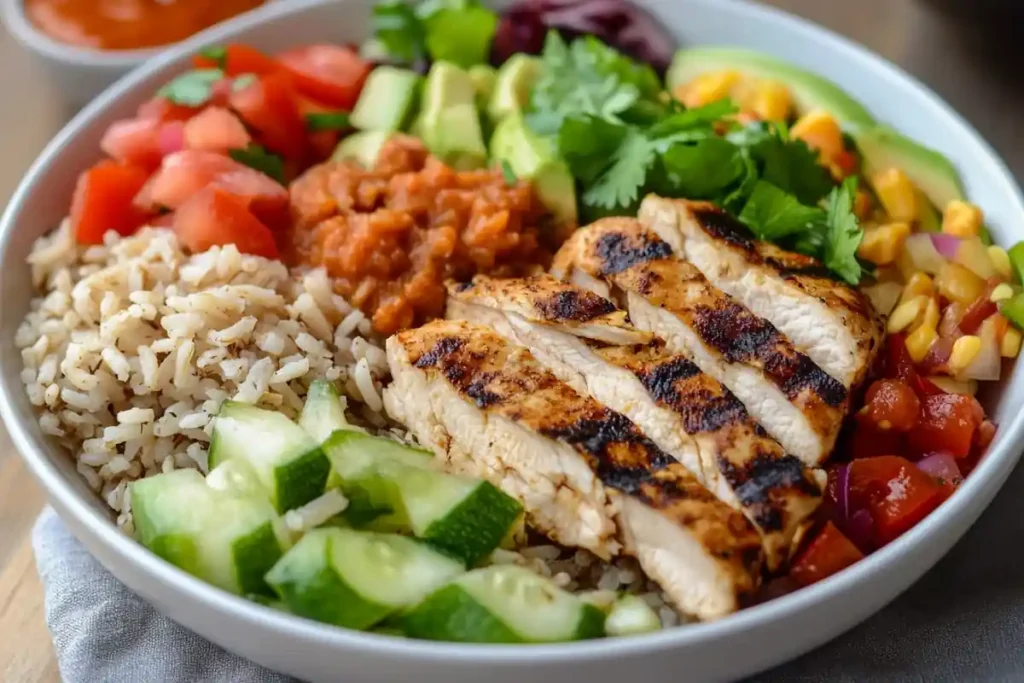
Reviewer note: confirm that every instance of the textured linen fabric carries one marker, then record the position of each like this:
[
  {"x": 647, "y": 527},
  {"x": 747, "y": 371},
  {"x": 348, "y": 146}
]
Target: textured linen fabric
[{"x": 963, "y": 622}]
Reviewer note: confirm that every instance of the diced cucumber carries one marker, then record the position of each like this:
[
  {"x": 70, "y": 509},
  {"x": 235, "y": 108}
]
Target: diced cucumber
[
  {"x": 503, "y": 604},
  {"x": 466, "y": 518},
  {"x": 228, "y": 539},
  {"x": 356, "y": 578},
  {"x": 235, "y": 476},
  {"x": 287, "y": 461},
  {"x": 631, "y": 616},
  {"x": 323, "y": 412}
]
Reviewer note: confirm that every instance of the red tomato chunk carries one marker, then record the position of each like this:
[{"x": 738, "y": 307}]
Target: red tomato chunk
[
  {"x": 894, "y": 492},
  {"x": 103, "y": 201},
  {"x": 892, "y": 404},
  {"x": 214, "y": 217},
  {"x": 270, "y": 107},
  {"x": 327, "y": 73},
  {"x": 947, "y": 423},
  {"x": 829, "y": 553}
]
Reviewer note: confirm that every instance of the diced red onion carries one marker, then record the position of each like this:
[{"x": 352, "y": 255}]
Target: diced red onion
[
  {"x": 940, "y": 465},
  {"x": 923, "y": 253},
  {"x": 860, "y": 529},
  {"x": 946, "y": 245},
  {"x": 172, "y": 137},
  {"x": 843, "y": 491}
]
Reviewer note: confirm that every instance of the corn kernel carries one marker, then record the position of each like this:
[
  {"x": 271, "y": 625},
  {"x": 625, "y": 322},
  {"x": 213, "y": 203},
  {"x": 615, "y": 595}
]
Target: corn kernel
[
  {"x": 965, "y": 349},
  {"x": 919, "y": 284},
  {"x": 771, "y": 100},
  {"x": 707, "y": 88},
  {"x": 1001, "y": 293},
  {"x": 862, "y": 204},
  {"x": 821, "y": 132},
  {"x": 957, "y": 283},
  {"x": 1000, "y": 261},
  {"x": 962, "y": 219},
  {"x": 1010, "y": 346},
  {"x": 919, "y": 341},
  {"x": 929, "y": 316},
  {"x": 897, "y": 194},
  {"x": 905, "y": 314},
  {"x": 882, "y": 244}
]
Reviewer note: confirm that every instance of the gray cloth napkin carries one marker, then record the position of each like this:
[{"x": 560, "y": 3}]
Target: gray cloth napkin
[{"x": 963, "y": 622}]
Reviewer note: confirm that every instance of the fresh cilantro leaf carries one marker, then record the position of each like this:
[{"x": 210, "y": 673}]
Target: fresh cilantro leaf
[
  {"x": 192, "y": 88},
  {"x": 243, "y": 81},
  {"x": 704, "y": 170},
  {"x": 737, "y": 198},
  {"x": 619, "y": 187},
  {"x": 588, "y": 144},
  {"x": 327, "y": 120},
  {"x": 843, "y": 234},
  {"x": 460, "y": 32},
  {"x": 260, "y": 159},
  {"x": 507, "y": 173},
  {"x": 695, "y": 118},
  {"x": 216, "y": 53},
  {"x": 773, "y": 214},
  {"x": 792, "y": 167},
  {"x": 397, "y": 31}
]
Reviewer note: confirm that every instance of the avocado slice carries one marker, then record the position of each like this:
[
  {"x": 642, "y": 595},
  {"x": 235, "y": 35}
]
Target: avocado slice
[
  {"x": 484, "y": 77},
  {"x": 361, "y": 147},
  {"x": 809, "y": 90},
  {"x": 512, "y": 89},
  {"x": 447, "y": 85},
  {"x": 449, "y": 123},
  {"x": 388, "y": 99},
  {"x": 534, "y": 158}
]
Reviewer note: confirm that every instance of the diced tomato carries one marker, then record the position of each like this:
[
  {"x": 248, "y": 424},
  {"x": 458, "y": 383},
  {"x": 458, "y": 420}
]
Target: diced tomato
[
  {"x": 216, "y": 129},
  {"x": 321, "y": 142},
  {"x": 269, "y": 106},
  {"x": 103, "y": 201},
  {"x": 976, "y": 314},
  {"x": 330, "y": 74},
  {"x": 162, "y": 109},
  {"x": 239, "y": 59},
  {"x": 937, "y": 359},
  {"x": 829, "y": 553},
  {"x": 134, "y": 141},
  {"x": 894, "y": 491},
  {"x": 186, "y": 173},
  {"x": 899, "y": 365},
  {"x": 891, "y": 404},
  {"x": 215, "y": 217},
  {"x": 847, "y": 162},
  {"x": 869, "y": 441},
  {"x": 947, "y": 423}
]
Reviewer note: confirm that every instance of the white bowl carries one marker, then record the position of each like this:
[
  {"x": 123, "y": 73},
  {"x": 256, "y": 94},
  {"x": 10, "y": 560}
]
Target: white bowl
[{"x": 741, "y": 644}]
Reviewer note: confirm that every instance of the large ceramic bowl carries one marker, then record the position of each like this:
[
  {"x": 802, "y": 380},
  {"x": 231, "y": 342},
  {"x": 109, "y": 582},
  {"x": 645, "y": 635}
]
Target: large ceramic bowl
[{"x": 738, "y": 645}]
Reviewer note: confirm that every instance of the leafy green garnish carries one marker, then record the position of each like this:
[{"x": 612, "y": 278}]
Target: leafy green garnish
[
  {"x": 706, "y": 169},
  {"x": 192, "y": 88},
  {"x": 397, "y": 31},
  {"x": 620, "y": 185},
  {"x": 508, "y": 174},
  {"x": 588, "y": 143},
  {"x": 217, "y": 53},
  {"x": 773, "y": 214},
  {"x": 843, "y": 235},
  {"x": 255, "y": 156},
  {"x": 328, "y": 120}
]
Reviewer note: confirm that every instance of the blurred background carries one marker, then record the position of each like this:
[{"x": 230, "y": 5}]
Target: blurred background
[{"x": 968, "y": 52}]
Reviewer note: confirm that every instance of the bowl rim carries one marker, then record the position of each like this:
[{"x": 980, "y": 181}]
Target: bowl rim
[{"x": 996, "y": 463}]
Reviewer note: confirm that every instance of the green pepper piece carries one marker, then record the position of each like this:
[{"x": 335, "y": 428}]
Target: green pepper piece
[{"x": 1013, "y": 308}]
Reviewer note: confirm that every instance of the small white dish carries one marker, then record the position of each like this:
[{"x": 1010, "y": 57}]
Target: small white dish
[{"x": 736, "y": 646}]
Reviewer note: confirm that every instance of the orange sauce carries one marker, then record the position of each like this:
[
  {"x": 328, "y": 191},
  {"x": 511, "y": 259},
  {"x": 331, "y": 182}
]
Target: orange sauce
[{"x": 129, "y": 24}]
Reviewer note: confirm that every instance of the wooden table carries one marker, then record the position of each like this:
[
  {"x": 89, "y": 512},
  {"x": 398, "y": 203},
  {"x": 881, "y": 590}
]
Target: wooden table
[{"x": 985, "y": 90}]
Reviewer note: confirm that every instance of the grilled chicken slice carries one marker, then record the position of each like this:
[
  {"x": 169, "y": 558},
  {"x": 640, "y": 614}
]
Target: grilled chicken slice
[
  {"x": 791, "y": 397},
  {"x": 684, "y": 412},
  {"x": 830, "y": 321},
  {"x": 586, "y": 475}
]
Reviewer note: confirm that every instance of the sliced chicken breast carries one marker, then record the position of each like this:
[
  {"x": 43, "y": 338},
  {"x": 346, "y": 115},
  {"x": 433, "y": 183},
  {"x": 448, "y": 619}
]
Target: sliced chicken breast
[
  {"x": 686, "y": 413},
  {"x": 792, "y": 398},
  {"x": 586, "y": 475},
  {"x": 827, "y": 319}
]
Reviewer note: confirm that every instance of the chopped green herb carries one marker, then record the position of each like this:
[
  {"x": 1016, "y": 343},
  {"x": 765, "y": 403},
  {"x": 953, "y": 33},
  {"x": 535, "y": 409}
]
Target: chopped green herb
[
  {"x": 843, "y": 234},
  {"x": 397, "y": 31},
  {"x": 328, "y": 120},
  {"x": 621, "y": 184},
  {"x": 218, "y": 53},
  {"x": 704, "y": 170},
  {"x": 508, "y": 173},
  {"x": 773, "y": 214},
  {"x": 587, "y": 143},
  {"x": 243, "y": 81},
  {"x": 192, "y": 88},
  {"x": 260, "y": 159}
]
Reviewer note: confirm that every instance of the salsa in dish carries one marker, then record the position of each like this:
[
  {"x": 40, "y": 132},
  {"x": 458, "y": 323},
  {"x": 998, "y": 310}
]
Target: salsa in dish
[{"x": 516, "y": 328}]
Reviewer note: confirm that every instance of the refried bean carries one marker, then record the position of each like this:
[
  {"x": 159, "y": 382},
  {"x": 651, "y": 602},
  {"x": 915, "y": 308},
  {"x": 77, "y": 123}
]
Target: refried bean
[{"x": 392, "y": 235}]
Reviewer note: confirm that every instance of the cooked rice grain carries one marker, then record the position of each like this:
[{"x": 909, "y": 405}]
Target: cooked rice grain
[{"x": 132, "y": 346}]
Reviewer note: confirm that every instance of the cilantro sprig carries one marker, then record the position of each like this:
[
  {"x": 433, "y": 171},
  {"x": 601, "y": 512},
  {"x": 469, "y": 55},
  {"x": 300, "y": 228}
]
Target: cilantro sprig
[
  {"x": 255, "y": 156},
  {"x": 623, "y": 137},
  {"x": 458, "y": 31}
]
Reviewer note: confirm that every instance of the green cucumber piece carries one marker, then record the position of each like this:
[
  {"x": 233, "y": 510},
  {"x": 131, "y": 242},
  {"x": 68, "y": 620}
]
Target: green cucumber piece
[
  {"x": 323, "y": 413},
  {"x": 466, "y": 518},
  {"x": 355, "y": 578},
  {"x": 228, "y": 539},
  {"x": 630, "y": 615},
  {"x": 287, "y": 461},
  {"x": 503, "y": 604}
]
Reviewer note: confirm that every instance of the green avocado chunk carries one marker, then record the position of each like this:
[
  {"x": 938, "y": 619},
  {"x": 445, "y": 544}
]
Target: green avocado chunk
[
  {"x": 449, "y": 122},
  {"x": 809, "y": 90},
  {"x": 512, "y": 88},
  {"x": 388, "y": 100},
  {"x": 362, "y": 147},
  {"x": 533, "y": 158}
]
